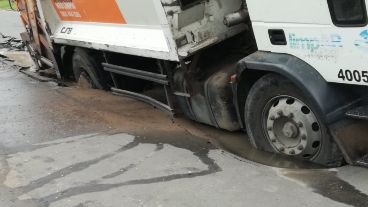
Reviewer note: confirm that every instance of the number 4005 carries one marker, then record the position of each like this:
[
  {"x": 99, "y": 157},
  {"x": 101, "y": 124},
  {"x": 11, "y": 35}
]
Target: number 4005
[{"x": 355, "y": 75}]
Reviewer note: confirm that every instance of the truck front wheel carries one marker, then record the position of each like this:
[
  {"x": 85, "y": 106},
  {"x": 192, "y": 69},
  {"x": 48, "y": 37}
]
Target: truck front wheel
[
  {"x": 280, "y": 119},
  {"x": 88, "y": 70}
]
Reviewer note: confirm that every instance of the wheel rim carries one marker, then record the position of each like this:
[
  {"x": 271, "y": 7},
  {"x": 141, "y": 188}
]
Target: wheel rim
[{"x": 291, "y": 127}]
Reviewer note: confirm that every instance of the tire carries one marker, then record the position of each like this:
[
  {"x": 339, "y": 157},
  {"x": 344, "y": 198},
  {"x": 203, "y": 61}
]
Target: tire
[
  {"x": 88, "y": 70},
  {"x": 279, "y": 119}
]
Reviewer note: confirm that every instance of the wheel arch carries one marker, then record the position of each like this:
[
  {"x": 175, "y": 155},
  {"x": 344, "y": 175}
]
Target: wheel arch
[{"x": 328, "y": 99}]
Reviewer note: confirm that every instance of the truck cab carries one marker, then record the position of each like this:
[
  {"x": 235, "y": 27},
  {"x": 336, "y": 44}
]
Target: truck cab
[
  {"x": 311, "y": 73},
  {"x": 331, "y": 35}
]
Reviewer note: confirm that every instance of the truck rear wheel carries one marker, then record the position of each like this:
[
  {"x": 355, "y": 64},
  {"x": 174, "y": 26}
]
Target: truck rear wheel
[
  {"x": 280, "y": 119},
  {"x": 88, "y": 70}
]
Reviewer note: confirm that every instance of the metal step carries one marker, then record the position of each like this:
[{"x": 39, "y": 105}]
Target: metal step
[
  {"x": 144, "y": 98},
  {"x": 360, "y": 113},
  {"x": 140, "y": 74},
  {"x": 159, "y": 78},
  {"x": 363, "y": 161},
  {"x": 181, "y": 94}
]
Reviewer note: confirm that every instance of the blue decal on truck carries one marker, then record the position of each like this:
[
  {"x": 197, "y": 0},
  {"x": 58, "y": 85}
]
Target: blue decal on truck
[
  {"x": 363, "y": 41},
  {"x": 313, "y": 44}
]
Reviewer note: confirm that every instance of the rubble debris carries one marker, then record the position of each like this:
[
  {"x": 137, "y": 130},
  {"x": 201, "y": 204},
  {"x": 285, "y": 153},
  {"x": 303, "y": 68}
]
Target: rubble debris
[
  {"x": 19, "y": 63},
  {"x": 21, "y": 58},
  {"x": 3, "y": 56},
  {"x": 8, "y": 64},
  {"x": 36, "y": 75},
  {"x": 11, "y": 43},
  {"x": 5, "y": 60},
  {"x": 13, "y": 55}
]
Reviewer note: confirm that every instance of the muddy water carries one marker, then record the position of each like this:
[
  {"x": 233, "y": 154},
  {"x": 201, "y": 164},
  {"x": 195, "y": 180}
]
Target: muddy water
[
  {"x": 64, "y": 111},
  {"x": 151, "y": 126},
  {"x": 57, "y": 111},
  {"x": 140, "y": 119},
  {"x": 238, "y": 144},
  {"x": 325, "y": 182}
]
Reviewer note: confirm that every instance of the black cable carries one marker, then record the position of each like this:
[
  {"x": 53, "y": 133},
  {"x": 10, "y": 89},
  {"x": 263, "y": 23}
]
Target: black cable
[{"x": 10, "y": 4}]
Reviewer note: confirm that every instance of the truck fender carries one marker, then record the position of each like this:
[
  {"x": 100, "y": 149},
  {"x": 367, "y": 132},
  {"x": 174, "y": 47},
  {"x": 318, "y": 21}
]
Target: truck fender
[{"x": 329, "y": 100}]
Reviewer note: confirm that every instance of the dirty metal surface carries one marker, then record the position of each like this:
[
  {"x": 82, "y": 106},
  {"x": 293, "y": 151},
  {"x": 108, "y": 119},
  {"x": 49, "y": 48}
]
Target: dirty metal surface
[
  {"x": 352, "y": 135},
  {"x": 363, "y": 161},
  {"x": 86, "y": 148},
  {"x": 358, "y": 113}
]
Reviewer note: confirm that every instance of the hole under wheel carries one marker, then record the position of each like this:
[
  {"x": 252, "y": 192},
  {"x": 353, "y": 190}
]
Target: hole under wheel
[{"x": 279, "y": 119}]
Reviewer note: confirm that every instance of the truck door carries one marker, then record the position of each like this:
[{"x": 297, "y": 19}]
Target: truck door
[
  {"x": 350, "y": 16},
  {"x": 330, "y": 35}
]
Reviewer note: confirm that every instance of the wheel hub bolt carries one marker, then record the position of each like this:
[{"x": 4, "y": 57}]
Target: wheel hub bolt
[
  {"x": 300, "y": 124},
  {"x": 291, "y": 115},
  {"x": 282, "y": 149},
  {"x": 292, "y": 152},
  {"x": 272, "y": 118},
  {"x": 300, "y": 148},
  {"x": 280, "y": 113},
  {"x": 304, "y": 137}
]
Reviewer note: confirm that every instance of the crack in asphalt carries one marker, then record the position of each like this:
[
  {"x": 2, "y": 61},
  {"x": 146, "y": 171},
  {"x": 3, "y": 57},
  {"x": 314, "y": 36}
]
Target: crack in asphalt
[
  {"x": 77, "y": 167},
  {"x": 95, "y": 186},
  {"x": 123, "y": 170},
  {"x": 120, "y": 172},
  {"x": 92, "y": 188},
  {"x": 322, "y": 182}
]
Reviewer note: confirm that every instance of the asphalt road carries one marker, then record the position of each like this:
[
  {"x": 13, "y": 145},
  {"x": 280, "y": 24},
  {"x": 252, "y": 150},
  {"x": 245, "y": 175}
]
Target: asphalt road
[
  {"x": 10, "y": 23},
  {"x": 65, "y": 146}
]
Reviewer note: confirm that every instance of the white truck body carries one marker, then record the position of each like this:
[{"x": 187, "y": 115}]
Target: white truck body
[{"x": 155, "y": 29}]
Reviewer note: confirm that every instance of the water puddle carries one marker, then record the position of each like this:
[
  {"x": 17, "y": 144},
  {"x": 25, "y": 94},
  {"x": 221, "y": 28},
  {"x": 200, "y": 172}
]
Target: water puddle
[
  {"x": 322, "y": 181},
  {"x": 238, "y": 144},
  {"x": 329, "y": 185}
]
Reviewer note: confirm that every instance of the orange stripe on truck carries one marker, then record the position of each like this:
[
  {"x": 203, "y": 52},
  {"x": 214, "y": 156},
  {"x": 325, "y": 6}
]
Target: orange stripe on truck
[{"x": 101, "y": 11}]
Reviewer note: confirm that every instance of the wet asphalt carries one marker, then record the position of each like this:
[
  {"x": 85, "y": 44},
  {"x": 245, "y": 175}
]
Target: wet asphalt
[
  {"x": 66, "y": 146},
  {"x": 10, "y": 23}
]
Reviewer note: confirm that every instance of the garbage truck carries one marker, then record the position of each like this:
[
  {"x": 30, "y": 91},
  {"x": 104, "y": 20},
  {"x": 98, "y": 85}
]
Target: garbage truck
[{"x": 285, "y": 72}]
